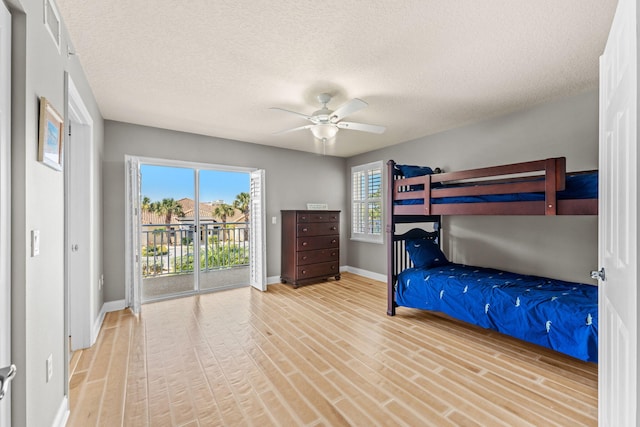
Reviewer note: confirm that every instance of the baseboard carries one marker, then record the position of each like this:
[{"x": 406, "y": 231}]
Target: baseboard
[
  {"x": 273, "y": 279},
  {"x": 345, "y": 268},
  {"x": 62, "y": 416},
  {"x": 110, "y": 306},
  {"x": 365, "y": 273},
  {"x": 106, "y": 308}
]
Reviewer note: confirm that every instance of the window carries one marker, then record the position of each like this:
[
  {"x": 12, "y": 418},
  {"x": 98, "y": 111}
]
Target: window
[{"x": 366, "y": 196}]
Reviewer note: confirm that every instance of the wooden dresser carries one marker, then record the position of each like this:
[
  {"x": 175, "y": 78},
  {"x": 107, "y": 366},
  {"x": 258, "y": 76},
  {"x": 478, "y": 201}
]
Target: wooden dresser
[{"x": 310, "y": 246}]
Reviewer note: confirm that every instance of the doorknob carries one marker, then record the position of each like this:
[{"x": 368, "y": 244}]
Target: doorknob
[
  {"x": 598, "y": 274},
  {"x": 6, "y": 375}
]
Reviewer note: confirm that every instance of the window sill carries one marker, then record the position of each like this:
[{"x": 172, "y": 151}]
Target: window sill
[{"x": 377, "y": 240}]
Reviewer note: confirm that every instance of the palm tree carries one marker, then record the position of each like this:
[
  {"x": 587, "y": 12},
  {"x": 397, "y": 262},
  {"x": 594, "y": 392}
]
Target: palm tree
[
  {"x": 169, "y": 208},
  {"x": 223, "y": 210},
  {"x": 242, "y": 203},
  {"x": 146, "y": 204}
]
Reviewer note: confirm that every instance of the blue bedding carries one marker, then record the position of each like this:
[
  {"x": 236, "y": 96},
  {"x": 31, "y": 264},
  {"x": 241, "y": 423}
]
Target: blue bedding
[
  {"x": 556, "y": 314},
  {"x": 579, "y": 186}
]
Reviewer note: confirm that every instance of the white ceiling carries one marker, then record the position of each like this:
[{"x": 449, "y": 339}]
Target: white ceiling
[{"x": 214, "y": 67}]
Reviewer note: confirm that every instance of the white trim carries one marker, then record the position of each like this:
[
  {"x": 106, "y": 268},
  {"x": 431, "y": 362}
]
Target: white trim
[
  {"x": 272, "y": 280},
  {"x": 97, "y": 324},
  {"x": 157, "y": 161},
  {"x": 79, "y": 294},
  {"x": 5, "y": 205},
  {"x": 56, "y": 15},
  {"x": 107, "y": 307},
  {"x": 365, "y": 273},
  {"x": 116, "y": 305},
  {"x": 62, "y": 416}
]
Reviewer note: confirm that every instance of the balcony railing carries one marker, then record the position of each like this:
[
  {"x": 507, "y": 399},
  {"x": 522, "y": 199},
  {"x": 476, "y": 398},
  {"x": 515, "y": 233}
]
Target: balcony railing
[{"x": 168, "y": 249}]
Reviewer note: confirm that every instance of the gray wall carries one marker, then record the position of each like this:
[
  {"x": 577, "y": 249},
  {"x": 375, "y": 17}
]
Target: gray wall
[
  {"x": 292, "y": 178},
  {"x": 38, "y": 294},
  {"x": 560, "y": 247}
]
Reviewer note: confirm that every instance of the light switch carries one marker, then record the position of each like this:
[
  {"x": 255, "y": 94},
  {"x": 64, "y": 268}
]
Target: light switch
[
  {"x": 274, "y": 220},
  {"x": 35, "y": 243}
]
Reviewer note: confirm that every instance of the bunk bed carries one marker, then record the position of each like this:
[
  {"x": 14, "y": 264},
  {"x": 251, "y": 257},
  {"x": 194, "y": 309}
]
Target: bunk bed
[{"x": 556, "y": 314}]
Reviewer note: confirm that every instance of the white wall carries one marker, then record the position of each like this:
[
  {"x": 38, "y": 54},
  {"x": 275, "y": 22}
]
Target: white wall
[
  {"x": 38, "y": 294},
  {"x": 293, "y": 179},
  {"x": 560, "y": 247}
]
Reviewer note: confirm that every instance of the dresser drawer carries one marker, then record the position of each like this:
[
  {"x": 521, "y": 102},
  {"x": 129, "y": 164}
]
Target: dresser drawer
[
  {"x": 321, "y": 255},
  {"x": 317, "y": 242},
  {"x": 318, "y": 217},
  {"x": 318, "y": 229},
  {"x": 322, "y": 269}
]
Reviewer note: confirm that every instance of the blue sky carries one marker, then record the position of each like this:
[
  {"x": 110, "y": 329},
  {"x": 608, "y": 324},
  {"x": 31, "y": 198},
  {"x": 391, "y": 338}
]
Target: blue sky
[{"x": 159, "y": 182}]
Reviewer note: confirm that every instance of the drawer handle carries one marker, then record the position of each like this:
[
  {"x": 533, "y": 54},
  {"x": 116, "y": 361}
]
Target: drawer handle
[
  {"x": 333, "y": 228},
  {"x": 304, "y": 271},
  {"x": 333, "y": 267},
  {"x": 320, "y": 217},
  {"x": 304, "y": 243},
  {"x": 304, "y": 230},
  {"x": 303, "y": 218},
  {"x": 333, "y": 241},
  {"x": 333, "y": 254},
  {"x": 304, "y": 258}
]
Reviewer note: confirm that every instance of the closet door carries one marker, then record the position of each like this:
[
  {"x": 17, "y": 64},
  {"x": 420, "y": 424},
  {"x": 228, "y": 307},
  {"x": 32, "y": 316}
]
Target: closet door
[{"x": 617, "y": 223}]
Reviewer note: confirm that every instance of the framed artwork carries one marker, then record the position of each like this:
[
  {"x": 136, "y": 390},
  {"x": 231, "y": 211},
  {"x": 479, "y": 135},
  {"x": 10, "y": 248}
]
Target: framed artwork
[{"x": 50, "y": 134}]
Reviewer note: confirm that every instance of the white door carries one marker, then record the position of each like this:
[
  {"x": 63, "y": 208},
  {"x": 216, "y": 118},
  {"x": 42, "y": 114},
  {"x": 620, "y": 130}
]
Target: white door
[
  {"x": 257, "y": 241},
  {"x": 133, "y": 274},
  {"x": 5, "y": 200},
  {"x": 79, "y": 216},
  {"x": 617, "y": 223}
]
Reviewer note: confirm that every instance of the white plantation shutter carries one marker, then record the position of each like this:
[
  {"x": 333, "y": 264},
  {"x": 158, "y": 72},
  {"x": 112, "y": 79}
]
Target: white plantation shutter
[
  {"x": 257, "y": 252},
  {"x": 132, "y": 218},
  {"x": 366, "y": 208}
]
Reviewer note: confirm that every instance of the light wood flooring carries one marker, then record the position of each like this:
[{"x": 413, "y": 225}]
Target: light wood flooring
[{"x": 320, "y": 355}]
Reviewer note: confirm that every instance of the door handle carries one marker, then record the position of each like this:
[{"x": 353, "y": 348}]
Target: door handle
[
  {"x": 598, "y": 274},
  {"x": 6, "y": 375}
]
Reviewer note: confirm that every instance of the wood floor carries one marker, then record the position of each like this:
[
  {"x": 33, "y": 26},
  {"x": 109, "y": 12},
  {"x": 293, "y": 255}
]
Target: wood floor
[{"x": 320, "y": 355}]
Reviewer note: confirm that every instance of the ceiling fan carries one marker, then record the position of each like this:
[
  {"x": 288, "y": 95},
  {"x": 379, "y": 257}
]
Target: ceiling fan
[{"x": 326, "y": 123}]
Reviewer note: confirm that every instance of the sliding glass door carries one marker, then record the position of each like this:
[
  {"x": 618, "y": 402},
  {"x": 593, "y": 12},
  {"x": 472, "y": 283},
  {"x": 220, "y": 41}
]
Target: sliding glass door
[
  {"x": 224, "y": 232},
  {"x": 167, "y": 230},
  {"x": 194, "y": 230}
]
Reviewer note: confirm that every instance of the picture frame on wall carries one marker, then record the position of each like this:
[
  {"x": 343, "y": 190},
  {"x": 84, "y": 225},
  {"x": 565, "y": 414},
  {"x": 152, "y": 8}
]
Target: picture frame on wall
[{"x": 50, "y": 135}]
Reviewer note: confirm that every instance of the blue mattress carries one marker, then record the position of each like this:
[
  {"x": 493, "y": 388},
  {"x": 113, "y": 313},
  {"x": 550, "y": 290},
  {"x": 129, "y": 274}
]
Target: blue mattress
[
  {"x": 556, "y": 314},
  {"x": 579, "y": 186}
]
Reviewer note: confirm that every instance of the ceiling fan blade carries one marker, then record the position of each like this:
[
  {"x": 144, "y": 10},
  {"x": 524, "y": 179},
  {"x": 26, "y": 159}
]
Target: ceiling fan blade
[
  {"x": 294, "y": 129},
  {"x": 292, "y": 112},
  {"x": 361, "y": 126},
  {"x": 347, "y": 108}
]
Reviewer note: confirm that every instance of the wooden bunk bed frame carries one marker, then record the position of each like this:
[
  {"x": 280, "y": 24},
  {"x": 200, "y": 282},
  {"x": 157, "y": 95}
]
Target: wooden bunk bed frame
[{"x": 546, "y": 176}]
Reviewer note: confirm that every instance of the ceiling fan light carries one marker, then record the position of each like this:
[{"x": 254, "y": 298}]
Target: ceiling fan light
[{"x": 324, "y": 131}]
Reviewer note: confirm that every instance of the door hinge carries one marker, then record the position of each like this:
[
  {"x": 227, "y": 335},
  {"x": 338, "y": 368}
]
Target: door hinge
[
  {"x": 598, "y": 274},
  {"x": 6, "y": 375},
  {"x": 69, "y": 129}
]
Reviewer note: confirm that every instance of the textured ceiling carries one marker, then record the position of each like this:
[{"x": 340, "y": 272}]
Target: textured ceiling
[{"x": 214, "y": 67}]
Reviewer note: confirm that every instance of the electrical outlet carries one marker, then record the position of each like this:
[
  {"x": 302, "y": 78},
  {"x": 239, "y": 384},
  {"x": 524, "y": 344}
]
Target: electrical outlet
[{"x": 49, "y": 367}]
